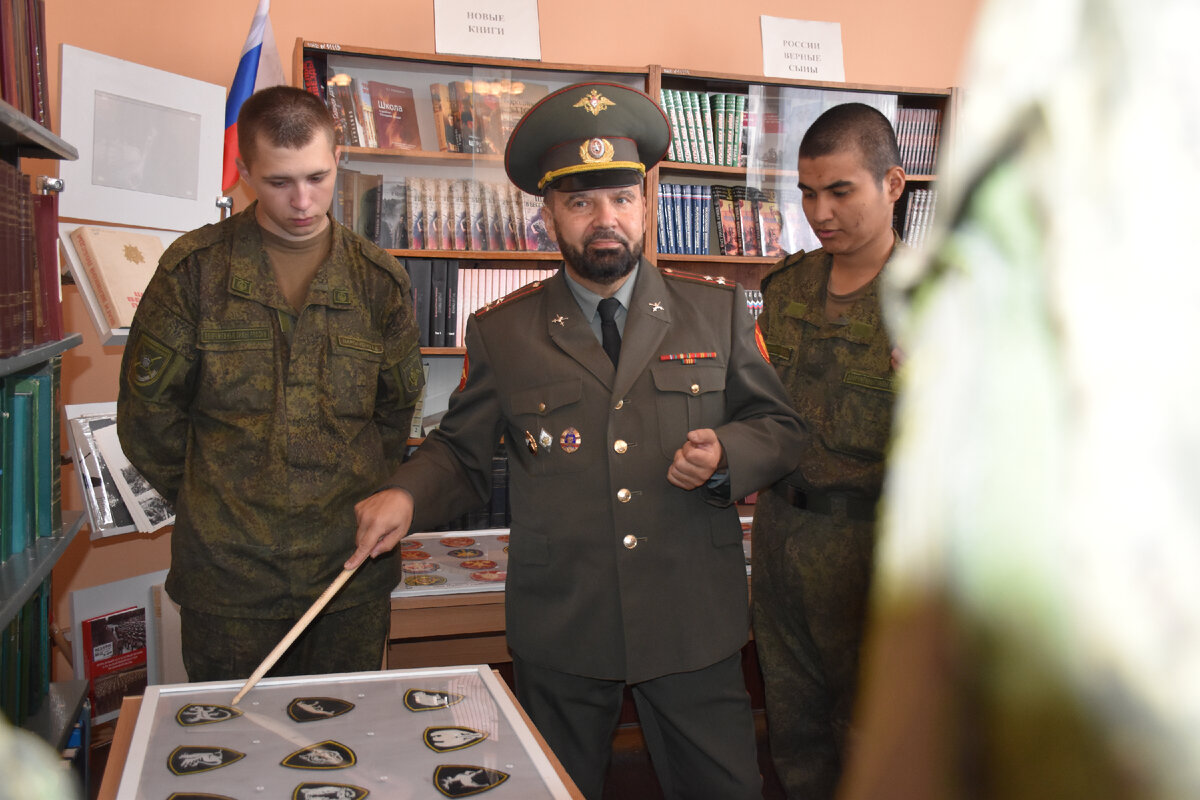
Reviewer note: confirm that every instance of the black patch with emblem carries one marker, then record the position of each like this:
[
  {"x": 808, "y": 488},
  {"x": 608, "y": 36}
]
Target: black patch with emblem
[
  {"x": 328, "y": 791},
  {"x": 190, "y": 760},
  {"x": 311, "y": 709},
  {"x": 205, "y": 714},
  {"x": 197, "y": 796},
  {"x": 425, "y": 700},
  {"x": 149, "y": 361},
  {"x": 462, "y": 780},
  {"x": 452, "y": 737},
  {"x": 322, "y": 755}
]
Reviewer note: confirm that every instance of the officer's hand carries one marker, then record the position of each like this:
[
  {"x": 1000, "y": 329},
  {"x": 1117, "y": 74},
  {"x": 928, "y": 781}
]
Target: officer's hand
[
  {"x": 697, "y": 460},
  {"x": 383, "y": 519}
]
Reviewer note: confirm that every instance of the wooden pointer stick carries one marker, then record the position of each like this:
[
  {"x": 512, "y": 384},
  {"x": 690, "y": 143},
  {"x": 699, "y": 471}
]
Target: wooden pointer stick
[{"x": 295, "y": 632}]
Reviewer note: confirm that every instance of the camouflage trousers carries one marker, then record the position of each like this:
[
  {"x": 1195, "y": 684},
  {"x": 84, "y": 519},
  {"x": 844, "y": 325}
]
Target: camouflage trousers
[
  {"x": 231, "y": 648},
  {"x": 810, "y": 578}
]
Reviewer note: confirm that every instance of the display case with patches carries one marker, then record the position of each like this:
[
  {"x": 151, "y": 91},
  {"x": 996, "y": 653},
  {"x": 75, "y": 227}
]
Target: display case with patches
[{"x": 418, "y": 733}]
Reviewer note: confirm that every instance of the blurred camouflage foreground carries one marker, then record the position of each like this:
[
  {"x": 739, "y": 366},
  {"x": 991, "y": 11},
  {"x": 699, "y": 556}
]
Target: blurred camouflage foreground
[{"x": 1036, "y": 628}]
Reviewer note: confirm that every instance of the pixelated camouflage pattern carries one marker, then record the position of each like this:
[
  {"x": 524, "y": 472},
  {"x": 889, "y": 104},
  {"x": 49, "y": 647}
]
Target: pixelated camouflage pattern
[
  {"x": 838, "y": 374},
  {"x": 264, "y": 427}
]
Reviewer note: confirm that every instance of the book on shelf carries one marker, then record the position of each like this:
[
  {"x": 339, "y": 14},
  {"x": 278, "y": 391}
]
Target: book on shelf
[
  {"x": 516, "y": 221},
  {"x": 770, "y": 224},
  {"x": 515, "y": 100},
  {"x": 420, "y": 275},
  {"x": 434, "y": 230},
  {"x": 536, "y": 236},
  {"x": 449, "y": 136},
  {"x": 485, "y": 105},
  {"x": 744, "y": 203},
  {"x": 393, "y": 215},
  {"x": 437, "y": 303},
  {"x": 366, "y": 205},
  {"x": 395, "y": 116},
  {"x": 460, "y": 215},
  {"x": 444, "y": 200},
  {"x": 797, "y": 234},
  {"x": 495, "y": 219},
  {"x": 451, "y": 338},
  {"x": 341, "y": 98},
  {"x": 32, "y": 488},
  {"x": 675, "y": 147},
  {"x": 114, "y": 658},
  {"x": 415, "y": 208},
  {"x": 48, "y": 324},
  {"x": 461, "y": 102},
  {"x": 727, "y": 220},
  {"x": 118, "y": 263},
  {"x": 363, "y": 112},
  {"x": 736, "y": 121},
  {"x": 23, "y": 79},
  {"x": 18, "y": 490},
  {"x": 312, "y": 78},
  {"x": 477, "y": 211},
  {"x": 716, "y": 102}
]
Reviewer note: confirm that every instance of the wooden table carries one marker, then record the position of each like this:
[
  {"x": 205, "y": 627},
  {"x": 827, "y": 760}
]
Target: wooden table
[
  {"x": 447, "y": 629},
  {"x": 130, "y": 706}
]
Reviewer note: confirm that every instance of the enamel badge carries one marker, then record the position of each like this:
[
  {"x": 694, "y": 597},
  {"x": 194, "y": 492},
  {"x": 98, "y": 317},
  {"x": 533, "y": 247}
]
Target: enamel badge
[{"x": 570, "y": 440}]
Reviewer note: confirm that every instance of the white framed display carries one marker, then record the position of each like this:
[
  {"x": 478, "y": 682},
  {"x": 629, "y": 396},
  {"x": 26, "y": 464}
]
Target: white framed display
[
  {"x": 150, "y": 143},
  {"x": 416, "y": 733}
]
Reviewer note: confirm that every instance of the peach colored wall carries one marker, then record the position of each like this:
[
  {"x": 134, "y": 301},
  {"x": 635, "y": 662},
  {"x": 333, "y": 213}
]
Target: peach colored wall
[{"x": 908, "y": 43}]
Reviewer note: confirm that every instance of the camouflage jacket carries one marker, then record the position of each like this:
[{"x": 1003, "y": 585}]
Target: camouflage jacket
[
  {"x": 838, "y": 374},
  {"x": 264, "y": 428}
]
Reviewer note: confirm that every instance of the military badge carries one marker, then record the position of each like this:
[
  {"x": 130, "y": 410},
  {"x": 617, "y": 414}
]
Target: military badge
[
  {"x": 458, "y": 541},
  {"x": 545, "y": 438},
  {"x": 190, "y": 760},
  {"x": 311, "y": 709},
  {"x": 149, "y": 361},
  {"x": 477, "y": 563},
  {"x": 425, "y": 700},
  {"x": 489, "y": 576},
  {"x": 454, "y": 737},
  {"x": 413, "y": 555},
  {"x": 329, "y": 791},
  {"x": 593, "y": 102},
  {"x": 459, "y": 780},
  {"x": 420, "y": 567},
  {"x": 531, "y": 443},
  {"x": 466, "y": 552},
  {"x": 570, "y": 440},
  {"x": 205, "y": 714},
  {"x": 323, "y": 755},
  {"x": 596, "y": 151},
  {"x": 424, "y": 580}
]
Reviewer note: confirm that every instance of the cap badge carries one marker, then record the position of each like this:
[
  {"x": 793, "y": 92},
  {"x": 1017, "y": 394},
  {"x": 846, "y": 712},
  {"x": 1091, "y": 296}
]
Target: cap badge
[
  {"x": 596, "y": 151},
  {"x": 594, "y": 102}
]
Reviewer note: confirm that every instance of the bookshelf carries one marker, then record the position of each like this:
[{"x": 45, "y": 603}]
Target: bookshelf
[{"x": 51, "y": 710}]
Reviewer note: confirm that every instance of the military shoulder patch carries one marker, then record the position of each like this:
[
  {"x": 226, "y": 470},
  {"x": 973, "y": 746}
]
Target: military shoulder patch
[
  {"x": 528, "y": 290},
  {"x": 425, "y": 700},
  {"x": 205, "y": 714},
  {"x": 693, "y": 277},
  {"x": 311, "y": 709},
  {"x": 322, "y": 755},
  {"x": 462, "y": 780},
  {"x": 148, "y": 362},
  {"x": 452, "y": 737},
  {"x": 332, "y": 791},
  {"x": 190, "y": 760}
]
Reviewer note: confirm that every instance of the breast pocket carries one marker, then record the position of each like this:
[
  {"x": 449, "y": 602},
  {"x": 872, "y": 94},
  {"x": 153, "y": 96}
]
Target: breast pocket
[
  {"x": 551, "y": 429},
  {"x": 354, "y": 369},
  {"x": 238, "y": 370},
  {"x": 689, "y": 396},
  {"x": 862, "y": 419}
]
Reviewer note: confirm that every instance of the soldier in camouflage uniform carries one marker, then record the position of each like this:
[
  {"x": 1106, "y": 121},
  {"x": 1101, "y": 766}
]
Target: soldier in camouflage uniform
[
  {"x": 814, "y": 532},
  {"x": 267, "y": 386}
]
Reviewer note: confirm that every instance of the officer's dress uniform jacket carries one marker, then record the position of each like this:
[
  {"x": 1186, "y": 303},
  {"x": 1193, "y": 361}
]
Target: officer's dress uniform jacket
[
  {"x": 263, "y": 426},
  {"x": 613, "y": 573}
]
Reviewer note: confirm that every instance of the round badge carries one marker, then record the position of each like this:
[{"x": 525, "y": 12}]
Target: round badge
[
  {"x": 491, "y": 576},
  {"x": 424, "y": 580},
  {"x": 420, "y": 567},
  {"x": 409, "y": 545},
  {"x": 465, "y": 552},
  {"x": 502, "y": 537},
  {"x": 570, "y": 440},
  {"x": 413, "y": 555},
  {"x": 477, "y": 563},
  {"x": 596, "y": 148},
  {"x": 458, "y": 541}
]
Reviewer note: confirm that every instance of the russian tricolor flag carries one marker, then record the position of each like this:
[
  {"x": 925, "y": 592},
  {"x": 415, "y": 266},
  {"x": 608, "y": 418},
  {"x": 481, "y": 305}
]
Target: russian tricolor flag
[{"x": 258, "y": 68}]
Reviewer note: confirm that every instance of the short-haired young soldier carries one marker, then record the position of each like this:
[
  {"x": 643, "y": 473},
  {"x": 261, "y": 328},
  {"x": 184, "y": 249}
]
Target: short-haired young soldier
[
  {"x": 814, "y": 532},
  {"x": 267, "y": 386},
  {"x": 628, "y": 431}
]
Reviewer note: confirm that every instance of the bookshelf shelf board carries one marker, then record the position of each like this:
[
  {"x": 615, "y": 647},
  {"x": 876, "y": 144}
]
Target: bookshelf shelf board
[
  {"x": 20, "y": 575},
  {"x": 30, "y": 139},
  {"x": 59, "y": 712},
  {"x": 36, "y": 355},
  {"x": 436, "y": 157},
  {"x": 443, "y": 351},
  {"x": 676, "y": 258},
  {"x": 481, "y": 255},
  {"x": 738, "y": 173}
]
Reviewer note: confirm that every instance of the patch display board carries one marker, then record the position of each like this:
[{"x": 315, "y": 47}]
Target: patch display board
[
  {"x": 453, "y": 562},
  {"x": 418, "y": 733}
]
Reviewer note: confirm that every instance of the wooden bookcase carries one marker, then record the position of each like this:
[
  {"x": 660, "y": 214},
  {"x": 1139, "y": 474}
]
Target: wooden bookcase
[{"x": 25, "y": 576}]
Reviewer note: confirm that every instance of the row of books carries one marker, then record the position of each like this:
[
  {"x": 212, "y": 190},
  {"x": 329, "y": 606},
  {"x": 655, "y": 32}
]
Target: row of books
[
  {"x": 706, "y": 127},
  {"x": 478, "y": 116},
  {"x": 918, "y": 216},
  {"x": 30, "y": 289},
  {"x": 918, "y": 132},
  {"x": 373, "y": 113},
  {"x": 25, "y": 658},
  {"x": 444, "y": 294},
  {"x": 30, "y": 482},
  {"x": 749, "y": 221},
  {"x": 441, "y": 213},
  {"x": 23, "y": 80}
]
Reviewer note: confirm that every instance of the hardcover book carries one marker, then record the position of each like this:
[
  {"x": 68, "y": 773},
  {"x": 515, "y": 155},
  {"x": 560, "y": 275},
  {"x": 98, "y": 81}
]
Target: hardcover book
[
  {"x": 449, "y": 138},
  {"x": 770, "y": 224},
  {"x": 118, "y": 264},
  {"x": 747, "y": 220},
  {"x": 727, "y": 222},
  {"x": 515, "y": 101},
  {"x": 393, "y": 215},
  {"x": 395, "y": 116}
]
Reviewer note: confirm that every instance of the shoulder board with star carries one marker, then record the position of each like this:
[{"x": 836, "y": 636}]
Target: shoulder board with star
[
  {"x": 528, "y": 290},
  {"x": 693, "y": 277}
]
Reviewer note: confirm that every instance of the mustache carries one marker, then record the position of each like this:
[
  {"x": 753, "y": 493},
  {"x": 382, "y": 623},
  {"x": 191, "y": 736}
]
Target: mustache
[{"x": 606, "y": 236}]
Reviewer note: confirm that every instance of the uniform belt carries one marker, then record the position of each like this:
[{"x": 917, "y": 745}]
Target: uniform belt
[{"x": 839, "y": 504}]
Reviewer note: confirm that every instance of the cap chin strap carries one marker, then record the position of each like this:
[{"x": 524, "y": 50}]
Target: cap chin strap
[{"x": 580, "y": 169}]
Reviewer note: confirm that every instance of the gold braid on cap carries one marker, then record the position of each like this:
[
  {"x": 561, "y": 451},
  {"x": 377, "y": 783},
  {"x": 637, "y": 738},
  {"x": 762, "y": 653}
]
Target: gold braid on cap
[{"x": 555, "y": 174}]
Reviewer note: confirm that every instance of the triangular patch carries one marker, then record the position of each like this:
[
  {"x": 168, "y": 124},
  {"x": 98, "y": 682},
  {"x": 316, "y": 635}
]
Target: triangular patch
[
  {"x": 460, "y": 780},
  {"x": 329, "y": 791},
  {"x": 424, "y": 700},
  {"x": 311, "y": 709},
  {"x": 452, "y": 737},
  {"x": 322, "y": 755},
  {"x": 190, "y": 760},
  {"x": 205, "y": 714}
]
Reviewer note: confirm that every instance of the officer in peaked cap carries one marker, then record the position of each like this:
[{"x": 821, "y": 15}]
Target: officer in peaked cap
[
  {"x": 634, "y": 405},
  {"x": 587, "y": 136}
]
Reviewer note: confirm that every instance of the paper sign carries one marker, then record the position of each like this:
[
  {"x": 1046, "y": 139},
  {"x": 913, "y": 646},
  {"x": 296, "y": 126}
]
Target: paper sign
[
  {"x": 802, "y": 50},
  {"x": 497, "y": 28}
]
